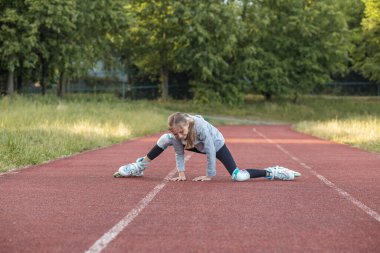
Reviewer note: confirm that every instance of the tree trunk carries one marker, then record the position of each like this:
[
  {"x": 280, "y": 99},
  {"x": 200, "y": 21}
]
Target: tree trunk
[
  {"x": 268, "y": 96},
  {"x": 130, "y": 79},
  {"x": 20, "y": 81},
  {"x": 43, "y": 75},
  {"x": 163, "y": 54},
  {"x": 60, "y": 87},
  {"x": 244, "y": 12},
  {"x": 11, "y": 85},
  {"x": 164, "y": 84},
  {"x": 296, "y": 98}
]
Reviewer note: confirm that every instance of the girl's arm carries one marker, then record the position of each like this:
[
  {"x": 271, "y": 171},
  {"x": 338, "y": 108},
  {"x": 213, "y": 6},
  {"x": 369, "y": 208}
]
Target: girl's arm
[
  {"x": 180, "y": 161},
  {"x": 209, "y": 149}
]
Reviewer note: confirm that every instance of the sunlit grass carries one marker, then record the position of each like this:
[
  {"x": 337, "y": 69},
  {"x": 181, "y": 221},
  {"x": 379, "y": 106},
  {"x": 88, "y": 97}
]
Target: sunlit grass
[
  {"x": 34, "y": 130},
  {"x": 88, "y": 129},
  {"x": 362, "y": 132}
]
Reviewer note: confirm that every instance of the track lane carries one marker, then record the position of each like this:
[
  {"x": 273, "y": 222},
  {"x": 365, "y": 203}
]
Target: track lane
[
  {"x": 262, "y": 216},
  {"x": 351, "y": 169},
  {"x": 66, "y": 205}
]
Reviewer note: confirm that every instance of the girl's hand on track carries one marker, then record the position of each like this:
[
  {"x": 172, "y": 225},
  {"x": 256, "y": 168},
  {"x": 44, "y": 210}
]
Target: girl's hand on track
[
  {"x": 180, "y": 178},
  {"x": 202, "y": 178}
]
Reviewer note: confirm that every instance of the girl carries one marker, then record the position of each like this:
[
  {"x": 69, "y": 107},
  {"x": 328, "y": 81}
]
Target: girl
[{"x": 195, "y": 134}]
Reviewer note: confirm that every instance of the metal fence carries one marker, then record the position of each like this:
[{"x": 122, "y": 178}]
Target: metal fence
[
  {"x": 121, "y": 89},
  {"x": 349, "y": 89},
  {"x": 152, "y": 91}
]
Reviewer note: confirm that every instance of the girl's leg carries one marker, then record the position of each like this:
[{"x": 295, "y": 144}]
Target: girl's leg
[
  {"x": 276, "y": 172},
  {"x": 255, "y": 173},
  {"x": 153, "y": 153},
  {"x": 163, "y": 142},
  {"x": 137, "y": 168},
  {"x": 224, "y": 155}
]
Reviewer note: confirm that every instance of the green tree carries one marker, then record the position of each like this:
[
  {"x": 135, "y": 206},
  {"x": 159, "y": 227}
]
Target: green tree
[
  {"x": 57, "y": 39},
  {"x": 368, "y": 58},
  {"x": 354, "y": 13},
  {"x": 193, "y": 37},
  {"x": 96, "y": 23},
  {"x": 153, "y": 33},
  {"x": 56, "y": 23},
  {"x": 18, "y": 38},
  {"x": 299, "y": 44},
  {"x": 210, "y": 52}
]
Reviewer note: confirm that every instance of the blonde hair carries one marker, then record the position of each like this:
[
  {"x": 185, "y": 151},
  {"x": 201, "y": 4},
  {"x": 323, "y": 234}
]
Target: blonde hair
[{"x": 180, "y": 119}]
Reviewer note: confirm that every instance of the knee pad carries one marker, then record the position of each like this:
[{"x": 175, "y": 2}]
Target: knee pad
[
  {"x": 240, "y": 175},
  {"x": 165, "y": 141}
]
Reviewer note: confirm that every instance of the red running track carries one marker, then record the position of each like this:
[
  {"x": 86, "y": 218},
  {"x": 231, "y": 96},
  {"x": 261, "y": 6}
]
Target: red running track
[{"x": 74, "y": 204}]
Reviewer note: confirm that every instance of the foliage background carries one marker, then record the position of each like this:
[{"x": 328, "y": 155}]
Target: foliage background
[{"x": 222, "y": 48}]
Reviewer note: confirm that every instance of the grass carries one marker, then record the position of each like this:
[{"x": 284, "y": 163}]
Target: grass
[
  {"x": 284, "y": 110},
  {"x": 34, "y": 129},
  {"x": 362, "y": 131},
  {"x": 349, "y": 120}
]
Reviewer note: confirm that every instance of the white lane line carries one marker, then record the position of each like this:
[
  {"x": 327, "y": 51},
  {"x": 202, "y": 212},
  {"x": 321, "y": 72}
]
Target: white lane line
[
  {"x": 109, "y": 236},
  {"x": 11, "y": 172},
  {"x": 327, "y": 182}
]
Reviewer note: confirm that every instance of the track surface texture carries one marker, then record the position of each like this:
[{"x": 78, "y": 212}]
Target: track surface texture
[{"x": 75, "y": 205}]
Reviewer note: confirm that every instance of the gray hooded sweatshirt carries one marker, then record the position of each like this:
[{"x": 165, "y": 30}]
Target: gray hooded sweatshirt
[{"x": 208, "y": 140}]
